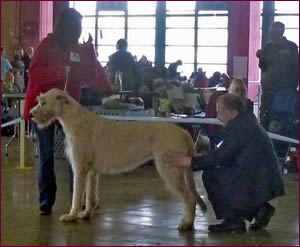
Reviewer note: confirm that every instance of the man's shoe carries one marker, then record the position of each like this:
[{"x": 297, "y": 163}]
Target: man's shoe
[
  {"x": 229, "y": 226},
  {"x": 45, "y": 210},
  {"x": 263, "y": 217}
]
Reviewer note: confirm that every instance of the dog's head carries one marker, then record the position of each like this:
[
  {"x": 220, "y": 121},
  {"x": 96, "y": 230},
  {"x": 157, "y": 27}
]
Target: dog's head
[{"x": 50, "y": 106}]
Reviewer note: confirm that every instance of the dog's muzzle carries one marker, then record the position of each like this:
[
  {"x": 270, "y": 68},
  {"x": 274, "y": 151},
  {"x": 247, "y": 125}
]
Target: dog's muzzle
[{"x": 32, "y": 111}]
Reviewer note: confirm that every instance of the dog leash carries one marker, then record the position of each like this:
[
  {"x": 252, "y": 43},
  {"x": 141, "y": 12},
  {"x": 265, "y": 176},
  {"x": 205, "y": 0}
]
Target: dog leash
[
  {"x": 198, "y": 137},
  {"x": 67, "y": 68}
]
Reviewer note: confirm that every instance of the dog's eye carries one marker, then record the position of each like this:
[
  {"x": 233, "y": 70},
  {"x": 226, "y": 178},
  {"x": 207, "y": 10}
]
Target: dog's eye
[{"x": 41, "y": 103}]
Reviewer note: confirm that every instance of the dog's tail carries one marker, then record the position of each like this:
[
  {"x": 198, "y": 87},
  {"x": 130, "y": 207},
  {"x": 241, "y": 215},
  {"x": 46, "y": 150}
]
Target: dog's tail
[
  {"x": 189, "y": 177},
  {"x": 190, "y": 182},
  {"x": 190, "y": 144}
]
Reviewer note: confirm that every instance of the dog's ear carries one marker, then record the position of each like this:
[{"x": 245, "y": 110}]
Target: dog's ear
[{"x": 62, "y": 99}]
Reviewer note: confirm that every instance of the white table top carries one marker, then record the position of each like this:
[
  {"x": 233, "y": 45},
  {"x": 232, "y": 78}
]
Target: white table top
[
  {"x": 193, "y": 121},
  {"x": 167, "y": 119},
  {"x": 14, "y": 95}
]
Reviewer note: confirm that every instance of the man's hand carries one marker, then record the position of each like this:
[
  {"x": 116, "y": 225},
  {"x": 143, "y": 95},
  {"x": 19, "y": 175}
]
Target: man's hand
[
  {"x": 114, "y": 88},
  {"x": 259, "y": 53},
  {"x": 67, "y": 69},
  {"x": 179, "y": 159},
  {"x": 89, "y": 41}
]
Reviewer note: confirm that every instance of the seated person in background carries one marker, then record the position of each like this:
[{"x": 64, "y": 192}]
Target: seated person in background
[
  {"x": 200, "y": 79},
  {"x": 144, "y": 64},
  {"x": 5, "y": 64},
  {"x": 172, "y": 70},
  {"x": 7, "y": 84},
  {"x": 123, "y": 61},
  {"x": 242, "y": 175},
  {"x": 18, "y": 65},
  {"x": 226, "y": 80},
  {"x": 135, "y": 58},
  {"x": 13, "y": 82},
  {"x": 26, "y": 60},
  {"x": 238, "y": 88},
  {"x": 215, "y": 79},
  {"x": 17, "y": 61}
]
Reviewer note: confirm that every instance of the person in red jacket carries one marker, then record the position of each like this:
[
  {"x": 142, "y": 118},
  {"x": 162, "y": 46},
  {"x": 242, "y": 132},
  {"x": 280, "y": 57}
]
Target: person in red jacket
[{"x": 60, "y": 62}]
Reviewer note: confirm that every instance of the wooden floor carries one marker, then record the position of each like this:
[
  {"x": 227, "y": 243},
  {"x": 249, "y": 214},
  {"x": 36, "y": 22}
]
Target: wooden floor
[{"x": 136, "y": 209}]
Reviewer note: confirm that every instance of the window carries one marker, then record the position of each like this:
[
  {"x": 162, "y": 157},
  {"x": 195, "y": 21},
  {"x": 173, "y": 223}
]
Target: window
[
  {"x": 198, "y": 35},
  {"x": 180, "y": 35},
  {"x": 111, "y": 28},
  {"x": 287, "y": 12},
  {"x": 132, "y": 20},
  {"x": 141, "y": 28},
  {"x": 141, "y": 7},
  {"x": 212, "y": 41},
  {"x": 178, "y": 7},
  {"x": 88, "y": 10},
  {"x": 84, "y": 7},
  {"x": 196, "y": 32},
  {"x": 286, "y": 7}
]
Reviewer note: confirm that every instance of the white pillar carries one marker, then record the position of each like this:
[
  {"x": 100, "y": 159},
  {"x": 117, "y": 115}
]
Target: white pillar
[{"x": 22, "y": 136}]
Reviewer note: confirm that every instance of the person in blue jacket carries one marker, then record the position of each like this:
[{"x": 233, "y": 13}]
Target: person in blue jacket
[{"x": 242, "y": 175}]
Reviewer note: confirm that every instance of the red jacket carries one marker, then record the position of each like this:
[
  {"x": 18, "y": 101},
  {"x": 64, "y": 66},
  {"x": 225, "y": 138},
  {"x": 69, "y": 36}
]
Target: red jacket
[{"x": 47, "y": 71}]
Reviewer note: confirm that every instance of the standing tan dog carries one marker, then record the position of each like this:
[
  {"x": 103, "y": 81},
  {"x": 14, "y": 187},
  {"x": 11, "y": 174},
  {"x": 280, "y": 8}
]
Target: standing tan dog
[{"x": 95, "y": 145}]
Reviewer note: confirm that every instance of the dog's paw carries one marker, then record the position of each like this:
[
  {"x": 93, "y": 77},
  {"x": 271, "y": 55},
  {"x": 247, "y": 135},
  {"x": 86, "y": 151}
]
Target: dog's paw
[
  {"x": 84, "y": 214},
  {"x": 68, "y": 218},
  {"x": 185, "y": 226},
  {"x": 97, "y": 207}
]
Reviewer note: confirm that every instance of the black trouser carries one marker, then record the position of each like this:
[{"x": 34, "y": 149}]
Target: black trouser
[{"x": 46, "y": 172}]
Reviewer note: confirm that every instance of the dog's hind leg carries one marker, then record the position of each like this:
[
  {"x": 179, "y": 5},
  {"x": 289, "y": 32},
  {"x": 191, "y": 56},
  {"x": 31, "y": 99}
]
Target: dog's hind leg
[
  {"x": 80, "y": 175},
  {"x": 90, "y": 195},
  {"x": 97, "y": 193},
  {"x": 174, "y": 178}
]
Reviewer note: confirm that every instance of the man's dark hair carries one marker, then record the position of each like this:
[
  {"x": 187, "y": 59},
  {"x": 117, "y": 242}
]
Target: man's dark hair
[
  {"x": 122, "y": 44},
  {"x": 231, "y": 102},
  {"x": 279, "y": 25},
  {"x": 17, "y": 57},
  {"x": 68, "y": 28},
  {"x": 2, "y": 49}
]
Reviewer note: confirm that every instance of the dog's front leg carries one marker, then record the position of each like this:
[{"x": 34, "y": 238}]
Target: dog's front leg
[{"x": 79, "y": 185}]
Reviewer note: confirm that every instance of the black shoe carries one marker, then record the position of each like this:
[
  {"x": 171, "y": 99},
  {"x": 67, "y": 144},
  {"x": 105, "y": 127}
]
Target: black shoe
[
  {"x": 263, "y": 217},
  {"x": 45, "y": 210},
  {"x": 229, "y": 226}
]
